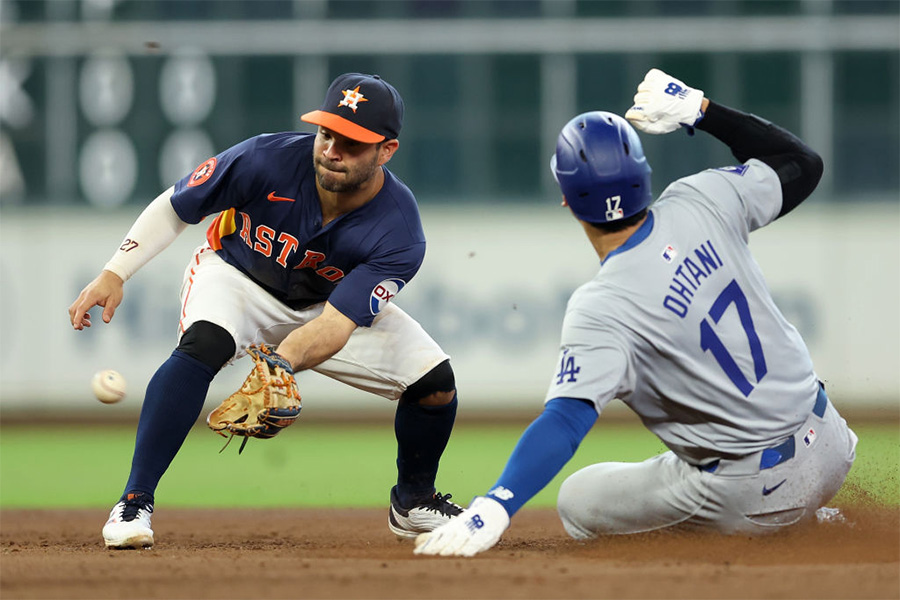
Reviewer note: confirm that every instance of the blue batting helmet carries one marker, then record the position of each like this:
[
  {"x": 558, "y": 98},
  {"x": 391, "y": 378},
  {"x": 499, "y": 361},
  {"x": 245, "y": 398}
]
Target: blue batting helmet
[{"x": 601, "y": 168}]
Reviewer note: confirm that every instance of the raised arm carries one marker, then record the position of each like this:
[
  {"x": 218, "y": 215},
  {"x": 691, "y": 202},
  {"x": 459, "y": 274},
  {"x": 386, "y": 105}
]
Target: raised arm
[
  {"x": 798, "y": 166},
  {"x": 663, "y": 104}
]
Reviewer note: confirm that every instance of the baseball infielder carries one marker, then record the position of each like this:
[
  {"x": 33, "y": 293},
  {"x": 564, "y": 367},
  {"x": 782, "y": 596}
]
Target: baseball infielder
[
  {"x": 679, "y": 324},
  {"x": 311, "y": 240}
]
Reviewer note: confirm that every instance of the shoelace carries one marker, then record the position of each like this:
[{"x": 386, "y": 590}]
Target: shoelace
[
  {"x": 441, "y": 504},
  {"x": 133, "y": 506}
]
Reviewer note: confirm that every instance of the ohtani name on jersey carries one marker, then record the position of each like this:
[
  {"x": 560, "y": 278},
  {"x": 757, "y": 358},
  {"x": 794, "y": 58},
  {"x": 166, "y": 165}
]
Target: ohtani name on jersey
[{"x": 697, "y": 266}]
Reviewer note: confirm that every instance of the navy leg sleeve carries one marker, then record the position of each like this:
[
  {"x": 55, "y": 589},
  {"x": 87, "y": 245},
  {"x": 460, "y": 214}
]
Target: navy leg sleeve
[
  {"x": 173, "y": 401},
  {"x": 422, "y": 434}
]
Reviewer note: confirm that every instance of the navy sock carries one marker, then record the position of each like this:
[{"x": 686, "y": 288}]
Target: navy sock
[
  {"x": 173, "y": 401},
  {"x": 422, "y": 434}
]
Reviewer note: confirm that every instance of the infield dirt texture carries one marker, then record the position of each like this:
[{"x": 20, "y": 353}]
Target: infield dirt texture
[
  {"x": 56, "y": 482},
  {"x": 349, "y": 553}
]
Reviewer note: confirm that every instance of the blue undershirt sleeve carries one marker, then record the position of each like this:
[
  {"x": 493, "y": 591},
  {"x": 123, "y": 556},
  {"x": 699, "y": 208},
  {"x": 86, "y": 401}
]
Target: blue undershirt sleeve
[{"x": 543, "y": 450}]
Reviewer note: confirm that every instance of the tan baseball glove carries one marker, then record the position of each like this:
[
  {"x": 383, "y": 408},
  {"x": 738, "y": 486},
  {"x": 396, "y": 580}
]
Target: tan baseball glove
[{"x": 267, "y": 402}]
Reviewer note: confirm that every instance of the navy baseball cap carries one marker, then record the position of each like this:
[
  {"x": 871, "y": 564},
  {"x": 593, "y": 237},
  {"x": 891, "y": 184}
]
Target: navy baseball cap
[{"x": 365, "y": 108}]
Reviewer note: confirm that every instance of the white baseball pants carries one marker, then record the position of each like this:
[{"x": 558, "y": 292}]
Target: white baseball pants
[{"x": 383, "y": 359}]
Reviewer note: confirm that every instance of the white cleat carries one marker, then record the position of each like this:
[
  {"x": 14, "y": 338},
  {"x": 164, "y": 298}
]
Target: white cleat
[
  {"x": 129, "y": 524},
  {"x": 426, "y": 516}
]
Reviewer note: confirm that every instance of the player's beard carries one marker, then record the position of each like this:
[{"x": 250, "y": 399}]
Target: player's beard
[{"x": 343, "y": 179}]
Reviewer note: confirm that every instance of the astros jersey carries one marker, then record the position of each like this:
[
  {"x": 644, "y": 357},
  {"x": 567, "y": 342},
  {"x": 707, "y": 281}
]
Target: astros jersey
[
  {"x": 269, "y": 225},
  {"x": 679, "y": 324}
]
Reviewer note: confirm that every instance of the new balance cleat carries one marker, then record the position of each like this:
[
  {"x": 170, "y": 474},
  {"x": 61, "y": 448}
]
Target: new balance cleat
[
  {"x": 129, "y": 523},
  {"x": 425, "y": 516}
]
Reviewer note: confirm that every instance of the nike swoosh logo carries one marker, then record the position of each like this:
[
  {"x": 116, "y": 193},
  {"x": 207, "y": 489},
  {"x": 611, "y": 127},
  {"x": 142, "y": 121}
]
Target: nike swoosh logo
[
  {"x": 273, "y": 198},
  {"x": 767, "y": 491}
]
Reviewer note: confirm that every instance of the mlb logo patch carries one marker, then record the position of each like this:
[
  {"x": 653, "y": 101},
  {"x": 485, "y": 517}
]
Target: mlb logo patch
[
  {"x": 669, "y": 253},
  {"x": 810, "y": 437},
  {"x": 736, "y": 169}
]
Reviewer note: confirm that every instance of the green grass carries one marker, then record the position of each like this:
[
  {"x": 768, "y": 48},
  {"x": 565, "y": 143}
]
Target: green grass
[{"x": 315, "y": 465}]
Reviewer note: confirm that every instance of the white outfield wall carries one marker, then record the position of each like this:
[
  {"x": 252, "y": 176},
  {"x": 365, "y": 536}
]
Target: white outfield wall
[{"x": 492, "y": 291}]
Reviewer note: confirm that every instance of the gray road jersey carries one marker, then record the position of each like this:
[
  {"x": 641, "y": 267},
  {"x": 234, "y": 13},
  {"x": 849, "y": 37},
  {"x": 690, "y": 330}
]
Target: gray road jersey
[{"x": 680, "y": 325}]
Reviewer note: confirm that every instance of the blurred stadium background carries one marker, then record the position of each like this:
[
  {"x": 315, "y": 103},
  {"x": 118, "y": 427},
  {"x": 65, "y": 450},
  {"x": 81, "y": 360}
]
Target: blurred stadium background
[{"x": 105, "y": 103}]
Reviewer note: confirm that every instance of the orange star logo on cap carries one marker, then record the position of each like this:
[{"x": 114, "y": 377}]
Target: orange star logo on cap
[{"x": 352, "y": 98}]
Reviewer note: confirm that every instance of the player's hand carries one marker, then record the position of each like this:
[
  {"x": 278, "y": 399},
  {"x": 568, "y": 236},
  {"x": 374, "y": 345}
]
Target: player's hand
[
  {"x": 106, "y": 291},
  {"x": 475, "y": 530},
  {"x": 663, "y": 104}
]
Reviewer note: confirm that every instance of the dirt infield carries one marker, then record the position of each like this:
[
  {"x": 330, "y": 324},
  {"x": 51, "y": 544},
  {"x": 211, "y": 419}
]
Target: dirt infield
[{"x": 295, "y": 553}]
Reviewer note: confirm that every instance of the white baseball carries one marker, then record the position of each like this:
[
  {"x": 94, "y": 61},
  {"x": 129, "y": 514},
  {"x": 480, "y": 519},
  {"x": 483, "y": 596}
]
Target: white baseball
[{"x": 109, "y": 386}]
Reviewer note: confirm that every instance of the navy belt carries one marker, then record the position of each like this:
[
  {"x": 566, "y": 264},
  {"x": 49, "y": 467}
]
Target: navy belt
[
  {"x": 821, "y": 403},
  {"x": 784, "y": 451}
]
